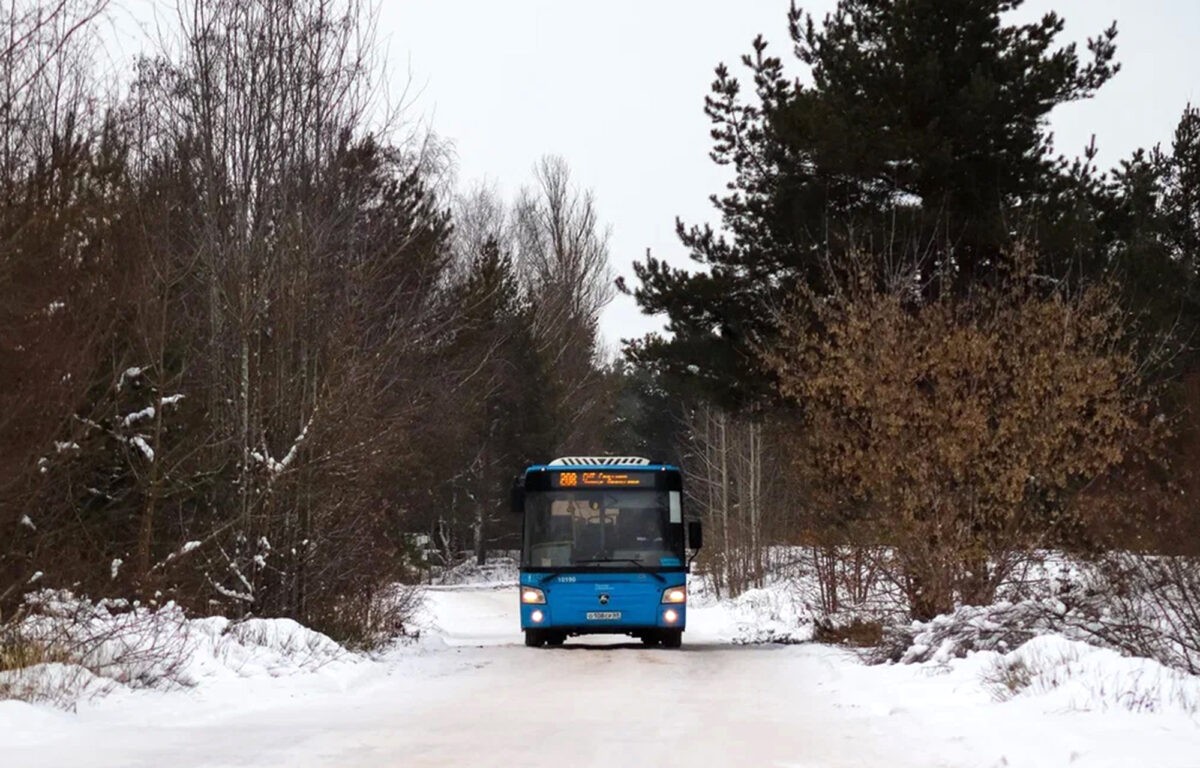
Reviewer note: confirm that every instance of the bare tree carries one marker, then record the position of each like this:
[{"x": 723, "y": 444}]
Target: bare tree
[
  {"x": 45, "y": 78},
  {"x": 563, "y": 257},
  {"x": 300, "y": 269},
  {"x": 726, "y": 458},
  {"x": 253, "y": 353},
  {"x": 564, "y": 251},
  {"x": 59, "y": 279}
]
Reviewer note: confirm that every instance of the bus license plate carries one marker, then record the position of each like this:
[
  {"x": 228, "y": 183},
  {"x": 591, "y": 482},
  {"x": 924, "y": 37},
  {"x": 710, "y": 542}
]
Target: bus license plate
[{"x": 603, "y": 615}]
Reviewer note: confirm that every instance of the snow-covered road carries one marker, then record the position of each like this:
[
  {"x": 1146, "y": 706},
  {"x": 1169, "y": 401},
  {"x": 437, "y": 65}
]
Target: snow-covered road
[
  {"x": 608, "y": 702},
  {"x": 471, "y": 695}
]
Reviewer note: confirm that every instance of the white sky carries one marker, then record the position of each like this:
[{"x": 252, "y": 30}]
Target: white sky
[{"x": 617, "y": 89}]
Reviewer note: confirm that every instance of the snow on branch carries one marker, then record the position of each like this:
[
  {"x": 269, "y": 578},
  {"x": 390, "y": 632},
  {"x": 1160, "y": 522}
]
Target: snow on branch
[
  {"x": 233, "y": 566},
  {"x": 231, "y": 594},
  {"x": 142, "y": 415},
  {"x": 140, "y": 443},
  {"x": 188, "y": 547},
  {"x": 278, "y": 467},
  {"x": 149, "y": 411},
  {"x": 129, "y": 374}
]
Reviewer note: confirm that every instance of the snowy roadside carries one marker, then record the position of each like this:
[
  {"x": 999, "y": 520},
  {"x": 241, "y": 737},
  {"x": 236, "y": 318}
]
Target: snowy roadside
[
  {"x": 1048, "y": 674},
  {"x": 1049, "y": 701},
  {"x": 272, "y": 693},
  {"x": 94, "y": 649}
]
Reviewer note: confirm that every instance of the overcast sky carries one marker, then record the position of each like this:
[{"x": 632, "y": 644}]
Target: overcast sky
[{"x": 617, "y": 89}]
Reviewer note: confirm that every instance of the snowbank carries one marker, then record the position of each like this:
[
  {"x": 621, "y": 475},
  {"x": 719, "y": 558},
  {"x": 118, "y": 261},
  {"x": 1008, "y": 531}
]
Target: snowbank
[
  {"x": 776, "y": 613},
  {"x": 1045, "y": 650},
  {"x": 97, "y": 647},
  {"x": 1128, "y": 605},
  {"x": 1069, "y": 675},
  {"x": 1001, "y": 626}
]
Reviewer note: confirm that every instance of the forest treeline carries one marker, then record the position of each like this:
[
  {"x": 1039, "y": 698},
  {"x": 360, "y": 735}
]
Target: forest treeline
[
  {"x": 925, "y": 342},
  {"x": 261, "y": 356}
]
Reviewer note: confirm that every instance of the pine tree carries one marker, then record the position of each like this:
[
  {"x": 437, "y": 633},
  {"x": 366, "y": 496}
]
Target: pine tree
[
  {"x": 1181, "y": 199},
  {"x": 922, "y": 139},
  {"x": 1149, "y": 224}
]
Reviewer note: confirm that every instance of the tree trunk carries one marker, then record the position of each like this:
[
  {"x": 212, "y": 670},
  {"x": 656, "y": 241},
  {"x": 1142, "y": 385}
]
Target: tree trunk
[
  {"x": 480, "y": 546},
  {"x": 725, "y": 555},
  {"x": 975, "y": 585},
  {"x": 930, "y": 593}
]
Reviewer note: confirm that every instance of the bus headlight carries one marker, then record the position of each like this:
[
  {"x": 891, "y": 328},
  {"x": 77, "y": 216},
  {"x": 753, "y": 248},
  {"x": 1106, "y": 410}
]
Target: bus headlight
[
  {"x": 675, "y": 595},
  {"x": 533, "y": 596},
  {"x": 670, "y": 616}
]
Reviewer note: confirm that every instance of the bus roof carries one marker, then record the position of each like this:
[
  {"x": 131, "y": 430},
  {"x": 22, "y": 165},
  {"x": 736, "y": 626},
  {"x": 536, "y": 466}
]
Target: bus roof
[
  {"x": 602, "y": 461},
  {"x": 643, "y": 467}
]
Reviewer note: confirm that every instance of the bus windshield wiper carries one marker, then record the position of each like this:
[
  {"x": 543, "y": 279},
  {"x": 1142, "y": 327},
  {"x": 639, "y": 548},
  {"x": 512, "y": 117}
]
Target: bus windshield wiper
[{"x": 638, "y": 563}]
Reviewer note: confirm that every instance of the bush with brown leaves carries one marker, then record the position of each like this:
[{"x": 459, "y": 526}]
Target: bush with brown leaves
[{"x": 959, "y": 428}]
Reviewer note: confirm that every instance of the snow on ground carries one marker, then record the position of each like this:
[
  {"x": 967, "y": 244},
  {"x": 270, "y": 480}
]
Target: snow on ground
[
  {"x": 126, "y": 647},
  {"x": 497, "y": 570},
  {"x": 775, "y": 614},
  {"x": 469, "y": 693}
]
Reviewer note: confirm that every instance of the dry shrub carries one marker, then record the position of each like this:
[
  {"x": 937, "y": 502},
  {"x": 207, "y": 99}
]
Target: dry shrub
[
  {"x": 373, "y": 620},
  {"x": 858, "y": 632},
  {"x": 849, "y": 574},
  {"x": 18, "y": 651},
  {"x": 1151, "y": 607},
  {"x": 59, "y": 648},
  {"x": 959, "y": 428},
  {"x": 1007, "y": 678}
]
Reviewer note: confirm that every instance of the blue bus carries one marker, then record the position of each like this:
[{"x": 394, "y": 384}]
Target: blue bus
[{"x": 604, "y": 550}]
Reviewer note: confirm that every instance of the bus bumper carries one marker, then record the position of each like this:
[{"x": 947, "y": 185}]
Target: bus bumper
[{"x": 608, "y": 608}]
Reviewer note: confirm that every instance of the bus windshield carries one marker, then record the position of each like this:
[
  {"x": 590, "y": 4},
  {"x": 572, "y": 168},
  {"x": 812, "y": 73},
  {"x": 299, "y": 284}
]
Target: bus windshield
[{"x": 599, "y": 528}]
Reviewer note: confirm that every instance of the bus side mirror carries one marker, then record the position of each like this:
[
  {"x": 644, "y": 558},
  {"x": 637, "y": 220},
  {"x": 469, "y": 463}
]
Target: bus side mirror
[
  {"x": 695, "y": 535},
  {"x": 517, "y": 498}
]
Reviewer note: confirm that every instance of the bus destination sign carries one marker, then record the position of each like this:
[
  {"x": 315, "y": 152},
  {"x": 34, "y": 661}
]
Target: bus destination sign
[{"x": 603, "y": 479}]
